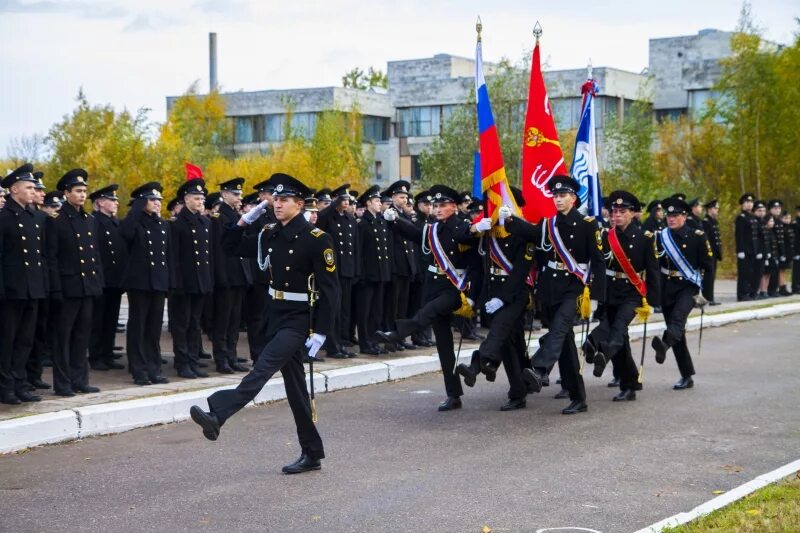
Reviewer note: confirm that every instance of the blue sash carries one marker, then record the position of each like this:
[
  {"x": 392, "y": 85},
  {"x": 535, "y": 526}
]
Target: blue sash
[{"x": 675, "y": 255}]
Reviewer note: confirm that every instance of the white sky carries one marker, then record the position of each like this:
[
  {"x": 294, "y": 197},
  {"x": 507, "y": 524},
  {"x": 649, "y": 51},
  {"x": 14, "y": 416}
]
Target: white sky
[{"x": 132, "y": 54}]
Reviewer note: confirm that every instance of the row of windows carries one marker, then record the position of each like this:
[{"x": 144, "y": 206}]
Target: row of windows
[
  {"x": 423, "y": 121},
  {"x": 270, "y": 128}
]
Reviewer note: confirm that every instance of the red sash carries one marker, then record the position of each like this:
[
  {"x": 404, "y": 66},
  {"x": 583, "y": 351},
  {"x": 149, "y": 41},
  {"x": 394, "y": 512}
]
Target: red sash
[{"x": 625, "y": 263}]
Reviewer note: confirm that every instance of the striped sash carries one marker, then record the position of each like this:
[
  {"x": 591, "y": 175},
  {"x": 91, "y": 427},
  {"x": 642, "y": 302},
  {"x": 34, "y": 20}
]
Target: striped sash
[
  {"x": 444, "y": 263},
  {"x": 675, "y": 255},
  {"x": 570, "y": 263}
]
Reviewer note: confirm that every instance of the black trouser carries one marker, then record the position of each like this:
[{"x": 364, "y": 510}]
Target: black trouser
[
  {"x": 515, "y": 358},
  {"x": 675, "y": 315},
  {"x": 256, "y": 302},
  {"x": 73, "y": 325},
  {"x": 207, "y": 318},
  {"x": 709, "y": 277},
  {"x": 796, "y": 276},
  {"x": 42, "y": 342},
  {"x": 747, "y": 278},
  {"x": 400, "y": 288},
  {"x": 17, "y": 329},
  {"x": 370, "y": 312},
  {"x": 617, "y": 345},
  {"x": 185, "y": 311},
  {"x": 143, "y": 342},
  {"x": 387, "y": 316},
  {"x": 227, "y": 318},
  {"x": 502, "y": 329},
  {"x": 436, "y": 313},
  {"x": 105, "y": 315},
  {"x": 558, "y": 344},
  {"x": 345, "y": 318},
  {"x": 416, "y": 291},
  {"x": 283, "y": 352}
]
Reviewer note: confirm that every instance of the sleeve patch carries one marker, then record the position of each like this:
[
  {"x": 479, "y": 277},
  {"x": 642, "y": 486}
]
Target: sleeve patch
[
  {"x": 316, "y": 232},
  {"x": 330, "y": 259}
]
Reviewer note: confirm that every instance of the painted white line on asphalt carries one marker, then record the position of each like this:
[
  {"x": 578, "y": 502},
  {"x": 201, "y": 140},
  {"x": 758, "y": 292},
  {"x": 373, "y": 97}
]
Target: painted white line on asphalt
[
  {"x": 20, "y": 433},
  {"x": 723, "y": 500}
]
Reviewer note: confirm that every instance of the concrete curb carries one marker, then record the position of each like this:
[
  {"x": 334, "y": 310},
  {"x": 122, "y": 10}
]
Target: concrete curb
[
  {"x": 724, "y": 500},
  {"x": 102, "y": 419}
]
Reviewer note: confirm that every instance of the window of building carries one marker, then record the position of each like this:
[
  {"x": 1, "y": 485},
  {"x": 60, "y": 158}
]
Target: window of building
[
  {"x": 566, "y": 113},
  {"x": 610, "y": 108},
  {"x": 670, "y": 114},
  {"x": 422, "y": 121},
  {"x": 700, "y": 100},
  {"x": 375, "y": 129},
  {"x": 378, "y": 170},
  {"x": 304, "y": 124},
  {"x": 273, "y": 127},
  {"x": 416, "y": 169},
  {"x": 249, "y": 129}
]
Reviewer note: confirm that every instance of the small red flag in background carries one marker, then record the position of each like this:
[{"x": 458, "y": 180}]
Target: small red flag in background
[{"x": 193, "y": 171}]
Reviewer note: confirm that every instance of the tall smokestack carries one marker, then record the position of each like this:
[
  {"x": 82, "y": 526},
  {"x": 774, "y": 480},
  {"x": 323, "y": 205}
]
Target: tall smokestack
[{"x": 212, "y": 61}]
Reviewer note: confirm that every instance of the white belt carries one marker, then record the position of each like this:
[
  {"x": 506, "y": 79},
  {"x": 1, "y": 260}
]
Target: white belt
[
  {"x": 620, "y": 275},
  {"x": 437, "y": 270},
  {"x": 561, "y": 266},
  {"x": 498, "y": 271},
  {"x": 290, "y": 296},
  {"x": 671, "y": 273}
]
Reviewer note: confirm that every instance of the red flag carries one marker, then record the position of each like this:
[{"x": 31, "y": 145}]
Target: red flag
[
  {"x": 541, "y": 152},
  {"x": 193, "y": 171}
]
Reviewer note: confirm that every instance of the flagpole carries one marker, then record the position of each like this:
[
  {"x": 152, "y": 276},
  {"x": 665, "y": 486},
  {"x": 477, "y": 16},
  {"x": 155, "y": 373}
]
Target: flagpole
[{"x": 537, "y": 31}]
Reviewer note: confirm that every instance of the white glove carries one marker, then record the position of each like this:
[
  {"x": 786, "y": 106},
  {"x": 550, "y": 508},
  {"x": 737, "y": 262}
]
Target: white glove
[
  {"x": 759, "y": 256},
  {"x": 390, "y": 215},
  {"x": 783, "y": 258},
  {"x": 252, "y": 215},
  {"x": 314, "y": 343},
  {"x": 797, "y": 258},
  {"x": 493, "y": 305},
  {"x": 307, "y": 216},
  {"x": 484, "y": 224},
  {"x": 740, "y": 255},
  {"x": 471, "y": 302},
  {"x": 504, "y": 213}
]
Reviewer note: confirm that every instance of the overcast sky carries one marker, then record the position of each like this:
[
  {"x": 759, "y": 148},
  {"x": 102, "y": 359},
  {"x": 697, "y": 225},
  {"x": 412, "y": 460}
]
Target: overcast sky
[{"x": 132, "y": 54}]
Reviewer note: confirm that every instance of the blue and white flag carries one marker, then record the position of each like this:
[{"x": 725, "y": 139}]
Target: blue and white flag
[{"x": 584, "y": 162}]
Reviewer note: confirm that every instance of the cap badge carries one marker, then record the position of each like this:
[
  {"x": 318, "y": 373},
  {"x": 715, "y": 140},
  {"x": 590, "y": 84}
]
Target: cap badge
[
  {"x": 155, "y": 192},
  {"x": 671, "y": 209},
  {"x": 279, "y": 188},
  {"x": 199, "y": 188},
  {"x": 619, "y": 200},
  {"x": 438, "y": 195},
  {"x": 80, "y": 179}
]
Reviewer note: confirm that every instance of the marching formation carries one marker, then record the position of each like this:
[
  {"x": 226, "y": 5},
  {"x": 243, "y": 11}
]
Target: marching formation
[{"x": 348, "y": 273}]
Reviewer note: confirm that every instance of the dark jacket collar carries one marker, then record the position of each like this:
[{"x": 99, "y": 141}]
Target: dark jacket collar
[
  {"x": 101, "y": 215},
  {"x": 573, "y": 214},
  {"x": 69, "y": 210},
  {"x": 14, "y": 207},
  {"x": 292, "y": 229}
]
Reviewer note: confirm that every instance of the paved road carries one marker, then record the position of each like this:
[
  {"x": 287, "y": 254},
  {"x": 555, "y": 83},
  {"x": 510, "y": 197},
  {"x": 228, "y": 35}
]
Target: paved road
[{"x": 395, "y": 464}]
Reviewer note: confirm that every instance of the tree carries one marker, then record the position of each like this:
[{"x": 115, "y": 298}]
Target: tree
[
  {"x": 356, "y": 78},
  {"x": 26, "y": 149}
]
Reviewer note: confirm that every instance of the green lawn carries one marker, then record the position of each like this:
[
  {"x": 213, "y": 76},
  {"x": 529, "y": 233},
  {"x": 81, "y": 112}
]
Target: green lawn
[{"x": 773, "y": 509}]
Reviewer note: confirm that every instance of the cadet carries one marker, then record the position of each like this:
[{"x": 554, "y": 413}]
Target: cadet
[
  {"x": 693, "y": 220},
  {"x": 41, "y": 352},
  {"x": 23, "y": 283},
  {"x": 573, "y": 247},
  {"x": 423, "y": 208},
  {"x": 114, "y": 259},
  {"x": 232, "y": 276},
  {"x": 711, "y": 229},
  {"x": 303, "y": 265},
  {"x": 655, "y": 219},
  {"x": 405, "y": 263},
  {"x": 684, "y": 253},
  {"x": 76, "y": 279},
  {"x": 630, "y": 256},
  {"x": 746, "y": 233},
  {"x": 193, "y": 279},
  {"x": 146, "y": 281},
  {"x": 446, "y": 282}
]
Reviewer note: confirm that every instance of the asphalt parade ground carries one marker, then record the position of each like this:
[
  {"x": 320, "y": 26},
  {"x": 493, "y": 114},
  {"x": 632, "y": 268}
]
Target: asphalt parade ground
[{"x": 396, "y": 464}]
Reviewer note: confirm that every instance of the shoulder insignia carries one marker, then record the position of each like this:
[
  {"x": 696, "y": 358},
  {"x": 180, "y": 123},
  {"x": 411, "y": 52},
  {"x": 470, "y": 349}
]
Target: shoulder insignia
[
  {"x": 316, "y": 232},
  {"x": 270, "y": 226},
  {"x": 464, "y": 247},
  {"x": 588, "y": 219},
  {"x": 214, "y": 215},
  {"x": 54, "y": 214},
  {"x": 598, "y": 239},
  {"x": 329, "y": 257},
  {"x": 699, "y": 232},
  {"x": 648, "y": 233},
  {"x": 530, "y": 249}
]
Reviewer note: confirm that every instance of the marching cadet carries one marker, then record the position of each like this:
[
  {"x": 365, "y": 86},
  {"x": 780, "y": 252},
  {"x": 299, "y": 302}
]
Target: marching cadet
[
  {"x": 23, "y": 283},
  {"x": 256, "y": 301},
  {"x": 337, "y": 221},
  {"x": 114, "y": 259},
  {"x": 684, "y": 254},
  {"x": 631, "y": 287},
  {"x": 303, "y": 266},
  {"x": 232, "y": 276},
  {"x": 375, "y": 272},
  {"x": 146, "y": 282},
  {"x": 76, "y": 279},
  {"x": 573, "y": 247},
  {"x": 711, "y": 228},
  {"x": 508, "y": 295},
  {"x": 746, "y": 234},
  {"x": 655, "y": 218},
  {"x": 405, "y": 263},
  {"x": 447, "y": 280},
  {"x": 192, "y": 277}
]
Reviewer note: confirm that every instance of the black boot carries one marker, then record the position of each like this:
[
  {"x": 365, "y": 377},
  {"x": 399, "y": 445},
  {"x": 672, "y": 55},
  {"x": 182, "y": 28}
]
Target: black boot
[
  {"x": 684, "y": 383},
  {"x": 661, "y": 349},
  {"x": 303, "y": 464},
  {"x": 512, "y": 405},
  {"x": 562, "y": 394},
  {"x": 470, "y": 372},
  {"x": 489, "y": 369},
  {"x": 614, "y": 383},
  {"x": 600, "y": 362},
  {"x": 577, "y": 406},
  {"x": 625, "y": 396},
  {"x": 532, "y": 379},
  {"x": 207, "y": 421},
  {"x": 450, "y": 404},
  {"x": 589, "y": 351}
]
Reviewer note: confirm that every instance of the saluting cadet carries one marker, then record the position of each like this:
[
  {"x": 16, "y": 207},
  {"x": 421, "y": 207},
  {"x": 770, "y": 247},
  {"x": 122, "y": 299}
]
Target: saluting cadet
[
  {"x": 232, "y": 276},
  {"x": 423, "y": 208},
  {"x": 114, "y": 259},
  {"x": 746, "y": 234},
  {"x": 303, "y": 266},
  {"x": 192, "y": 277},
  {"x": 684, "y": 253},
  {"x": 337, "y": 221},
  {"x": 572, "y": 247},
  {"x": 405, "y": 263},
  {"x": 508, "y": 295},
  {"x": 375, "y": 271},
  {"x": 76, "y": 279},
  {"x": 447, "y": 240},
  {"x": 631, "y": 283},
  {"x": 711, "y": 228},
  {"x": 23, "y": 283},
  {"x": 146, "y": 280}
]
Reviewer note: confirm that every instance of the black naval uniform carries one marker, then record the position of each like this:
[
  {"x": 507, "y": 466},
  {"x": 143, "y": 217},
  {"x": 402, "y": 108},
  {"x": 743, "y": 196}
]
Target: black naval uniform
[
  {"x": 146, "y": 281},
  {"x": 405, "y": 267},
  {"x": 558, "y": 290},
  {"x": 711, "y": 229},
  {"x": 231, "y": 278},
  {"x": 105, "y": 315},
  {"x": 375, "y": 273},
  {"x": 193, "y": 281},
  {"x": 76, "y": 279},
  {"x": 748, "y": 275},
  {"x": 677, "y": 294},
  {"x": 653, "y": 224},
  {"x": 295, "y": 251},
  {"x": 43, "y": 338},
  {"x": 256, "y": 300},
  {"x": 23, "y": 286}
]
